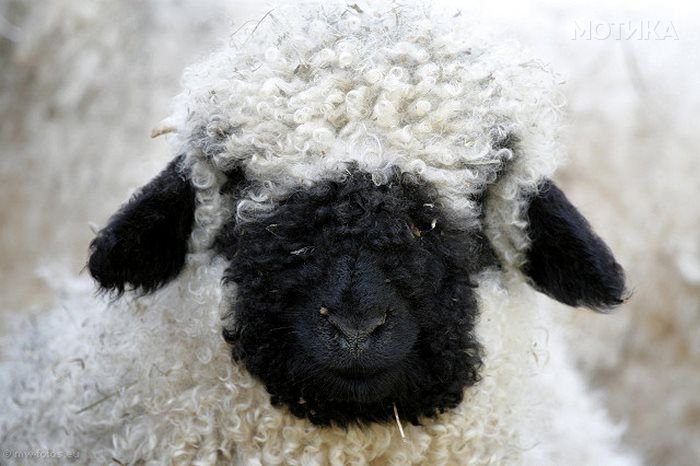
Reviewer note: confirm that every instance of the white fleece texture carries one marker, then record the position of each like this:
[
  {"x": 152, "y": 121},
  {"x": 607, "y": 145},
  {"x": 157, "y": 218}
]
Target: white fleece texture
[{"x": 306, "y": 92}]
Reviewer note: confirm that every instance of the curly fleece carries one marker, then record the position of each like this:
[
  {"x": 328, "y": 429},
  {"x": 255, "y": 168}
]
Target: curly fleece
[{"x": 300, "y": 95}]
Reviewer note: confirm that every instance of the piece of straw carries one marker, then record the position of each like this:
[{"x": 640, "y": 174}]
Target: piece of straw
[
  {"x": 398, "y": 422},
  {"x": 161, "y": 130}
]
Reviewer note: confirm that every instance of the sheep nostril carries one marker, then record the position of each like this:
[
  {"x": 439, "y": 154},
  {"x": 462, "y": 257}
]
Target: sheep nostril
[{"x": 374, "y": 324}]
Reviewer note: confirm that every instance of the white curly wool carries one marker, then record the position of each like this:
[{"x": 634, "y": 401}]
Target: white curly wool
[
  {"x": 302, "y": 95},
  {"x": 150, "y": 381}
]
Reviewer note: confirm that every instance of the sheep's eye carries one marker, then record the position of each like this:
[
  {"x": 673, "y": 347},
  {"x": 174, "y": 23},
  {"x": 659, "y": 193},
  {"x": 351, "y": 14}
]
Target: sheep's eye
[
  {"x": 418, "y": 232},
  {"x": 415, "y": 230}
]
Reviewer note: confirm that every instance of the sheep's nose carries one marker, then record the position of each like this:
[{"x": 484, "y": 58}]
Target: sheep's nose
[{"x": 356, "y": 330}]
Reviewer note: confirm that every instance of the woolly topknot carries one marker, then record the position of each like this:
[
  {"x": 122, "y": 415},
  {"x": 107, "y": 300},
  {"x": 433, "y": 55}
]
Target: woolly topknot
[{"x": 302, "y": 93}]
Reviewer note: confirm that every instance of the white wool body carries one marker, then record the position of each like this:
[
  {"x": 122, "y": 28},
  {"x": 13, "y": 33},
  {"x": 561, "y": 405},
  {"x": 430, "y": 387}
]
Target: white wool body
[{"x": 150, "y": 380}]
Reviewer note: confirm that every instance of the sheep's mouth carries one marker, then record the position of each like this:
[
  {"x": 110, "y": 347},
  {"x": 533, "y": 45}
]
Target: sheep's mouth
[
  {"x": 359, "y": 373},
  {"x": 360, "y": 386}
]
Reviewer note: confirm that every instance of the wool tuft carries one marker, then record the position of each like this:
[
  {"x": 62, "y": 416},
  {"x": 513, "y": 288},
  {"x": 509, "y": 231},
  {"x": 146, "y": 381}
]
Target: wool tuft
[{"x": 300, "y": 97}]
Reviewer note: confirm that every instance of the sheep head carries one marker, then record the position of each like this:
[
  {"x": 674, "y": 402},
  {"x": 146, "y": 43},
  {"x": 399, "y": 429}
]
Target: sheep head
[{"x": 355, "y": 203}]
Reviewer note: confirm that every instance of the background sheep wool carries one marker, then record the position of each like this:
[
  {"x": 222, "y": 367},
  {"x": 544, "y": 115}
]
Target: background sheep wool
[{"x": 83, "y": 83}]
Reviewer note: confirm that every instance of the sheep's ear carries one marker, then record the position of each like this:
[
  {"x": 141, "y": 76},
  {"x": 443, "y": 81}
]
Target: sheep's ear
[
  {"x": 566, "y": 259},
  {"x": 144, "y": 244}
]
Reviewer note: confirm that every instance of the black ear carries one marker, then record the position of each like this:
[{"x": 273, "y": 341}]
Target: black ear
[
  {"x": 566, "y": 259},
  {"x": 145, "y": 243}
]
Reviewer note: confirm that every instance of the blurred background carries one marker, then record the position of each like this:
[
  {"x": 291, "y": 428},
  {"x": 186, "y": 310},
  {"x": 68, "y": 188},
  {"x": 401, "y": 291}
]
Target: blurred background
[{"x": 83, "y": 83}]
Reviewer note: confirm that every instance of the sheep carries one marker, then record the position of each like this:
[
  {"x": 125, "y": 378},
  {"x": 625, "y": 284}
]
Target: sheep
[{"x": 359, "y": 203}]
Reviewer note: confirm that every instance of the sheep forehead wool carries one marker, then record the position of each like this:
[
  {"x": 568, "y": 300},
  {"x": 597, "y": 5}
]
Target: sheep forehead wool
[{"x": 297, "y": 96}]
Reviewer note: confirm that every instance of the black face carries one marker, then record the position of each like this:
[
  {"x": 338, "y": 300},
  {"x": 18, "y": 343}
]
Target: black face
[{"x": 354, "y": 297}]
